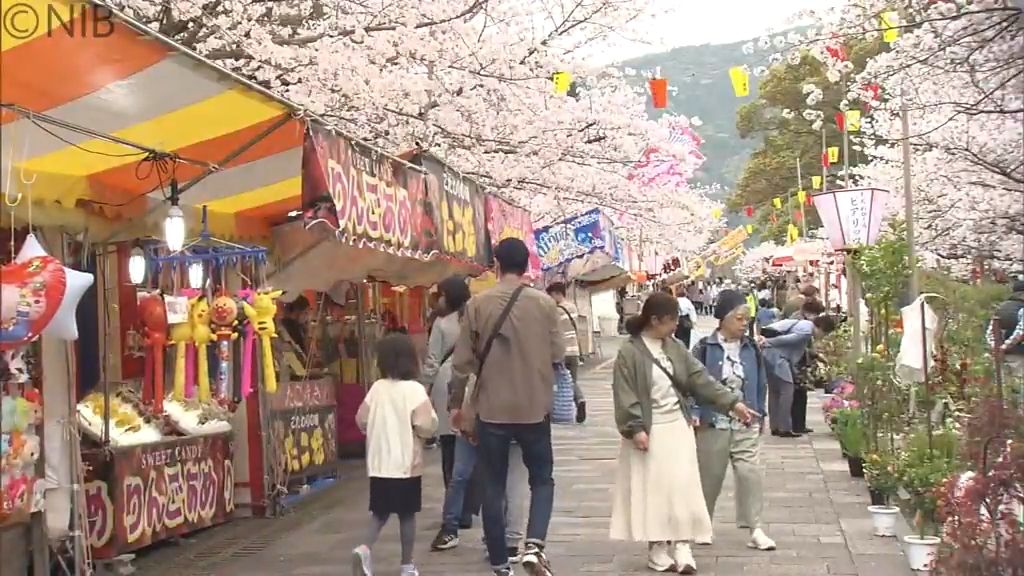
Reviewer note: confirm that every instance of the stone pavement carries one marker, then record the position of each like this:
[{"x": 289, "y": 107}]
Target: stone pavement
[{"x": 813, "y": 509}]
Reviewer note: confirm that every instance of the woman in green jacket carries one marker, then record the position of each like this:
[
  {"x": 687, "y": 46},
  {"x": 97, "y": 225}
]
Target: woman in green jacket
[{"x": 658, "y": 496}]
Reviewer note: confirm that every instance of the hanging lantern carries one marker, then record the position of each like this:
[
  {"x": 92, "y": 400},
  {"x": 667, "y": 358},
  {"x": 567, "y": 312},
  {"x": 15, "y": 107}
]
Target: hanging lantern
[
  {"x": 659, "y": 92},
  {"x": 716, "y": 213},
  {"x": 833, "y": 154},
  {"x": 750, "y": 211},
  {"x": 890, "y": 25},
  {"x": 740, "y": 79},
  {"x": 195, "y": 275},
  {"x": 750, "y": 228},
  {"x": 562, "y": 82},
  {"x": 851, "y": 217},
  {"x": 137, "y": 265},
  {"x": 777, "y": 202},
  {"x": 801, "y": 196},
  {"x": 853, "y": 120},
  {"x": 841, "y": 121},
  {"x": 816, "y": 182}
]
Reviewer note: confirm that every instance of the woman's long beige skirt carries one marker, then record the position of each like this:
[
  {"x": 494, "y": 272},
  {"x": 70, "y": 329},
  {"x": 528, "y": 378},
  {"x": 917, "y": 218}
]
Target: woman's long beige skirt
[{"x": 658, "y": 494}]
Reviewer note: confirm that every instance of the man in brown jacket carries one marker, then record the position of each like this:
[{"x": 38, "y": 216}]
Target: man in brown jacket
[{"x": 512, "y": 397}]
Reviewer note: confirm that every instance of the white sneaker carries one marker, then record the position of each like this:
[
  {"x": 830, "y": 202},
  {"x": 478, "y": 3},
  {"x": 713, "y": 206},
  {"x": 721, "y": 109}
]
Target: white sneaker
[
  {"x": 760, "y": 540},
  {"x": 410, "y": 570},
  {"x": 362, "y": 562},
  {"x": 683, "y": 557},
  {"x": 659, "y": 557}
]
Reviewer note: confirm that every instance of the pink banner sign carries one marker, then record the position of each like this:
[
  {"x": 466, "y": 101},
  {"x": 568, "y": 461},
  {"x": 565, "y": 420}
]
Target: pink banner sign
[{"x": 506, "y": 220}]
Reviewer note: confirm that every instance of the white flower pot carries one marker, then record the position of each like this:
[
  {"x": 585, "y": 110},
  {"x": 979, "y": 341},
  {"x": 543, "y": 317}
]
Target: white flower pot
[
  {"x": 884, "y": 520},
  {"x": 921, "y": 551}
]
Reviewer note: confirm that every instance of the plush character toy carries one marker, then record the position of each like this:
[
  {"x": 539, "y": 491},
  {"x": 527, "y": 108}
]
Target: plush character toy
[
  {"x": 180, "y": 336},
  {"x": 248, "y": 340},
  {"x": 153, "y": 314},
  {"x": 261, "y": 315},
  {"x": 202, "y": 336},
  {"x": 224, "y": 317}
]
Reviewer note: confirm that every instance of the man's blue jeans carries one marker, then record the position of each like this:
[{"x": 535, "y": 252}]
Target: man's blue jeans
[
  {"x": 462, "y": 474},
  {"x": 492, "y": 452}
]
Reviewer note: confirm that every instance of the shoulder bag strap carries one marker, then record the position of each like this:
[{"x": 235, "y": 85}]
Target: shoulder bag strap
[
  {"x": 671, "y": 376},
  {"x": 494, "y": 334},
  {"x": 571, "y": 319}
]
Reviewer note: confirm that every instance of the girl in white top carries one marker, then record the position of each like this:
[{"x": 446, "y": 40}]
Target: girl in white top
[{"x": 396, "y": 416}]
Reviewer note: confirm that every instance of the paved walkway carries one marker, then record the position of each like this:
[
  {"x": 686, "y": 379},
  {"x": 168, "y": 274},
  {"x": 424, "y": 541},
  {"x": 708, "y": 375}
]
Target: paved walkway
[{"x": 813, "y": 509}]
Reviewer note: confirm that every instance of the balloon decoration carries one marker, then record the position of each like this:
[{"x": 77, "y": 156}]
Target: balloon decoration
[
  {"x": 199, "y": 317},
  {"x": 181, "y": 335},
  {"x": 740, "y": 79},
  {"x": 261, "y": 314},
  {"x": 63, "y": 325},
  {"x": 153, "y": 315},
  {"x": 32, "y": 292},
  {"x": 224, "y": 318}
]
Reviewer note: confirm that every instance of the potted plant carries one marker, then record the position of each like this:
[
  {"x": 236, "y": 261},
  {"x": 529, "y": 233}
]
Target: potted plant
[
  {"x": 923, "y": 472},
  {"x": 882, "y": 473},
  {"x": 850, "y": 429}
]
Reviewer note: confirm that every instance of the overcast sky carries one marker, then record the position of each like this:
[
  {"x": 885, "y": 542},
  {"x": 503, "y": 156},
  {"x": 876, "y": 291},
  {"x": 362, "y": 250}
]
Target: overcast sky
[{"x": 690, "y": 22}]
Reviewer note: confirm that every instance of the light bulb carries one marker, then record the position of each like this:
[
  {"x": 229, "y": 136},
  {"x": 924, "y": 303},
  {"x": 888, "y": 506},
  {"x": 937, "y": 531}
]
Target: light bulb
[
  {"x": 137, "y": 266},
  {"x": 174, "y": 228},
  {"x": 195, "y": 275}
]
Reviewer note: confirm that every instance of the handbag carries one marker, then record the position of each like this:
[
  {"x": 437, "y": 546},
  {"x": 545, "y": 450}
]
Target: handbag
[
  {"x": 563, "y": 408},
  {"x": 469, "y": 409}
]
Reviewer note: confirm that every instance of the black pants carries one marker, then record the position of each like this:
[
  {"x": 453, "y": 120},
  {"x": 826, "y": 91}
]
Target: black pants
[
  {"x": 683, "y": 334},
  {"x": 799, "y": 411},
  {"x": 447, "y": 443}
]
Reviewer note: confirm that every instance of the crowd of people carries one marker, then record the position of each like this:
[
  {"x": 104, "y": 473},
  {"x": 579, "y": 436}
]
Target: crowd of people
[{"x": 489, "y": 389}]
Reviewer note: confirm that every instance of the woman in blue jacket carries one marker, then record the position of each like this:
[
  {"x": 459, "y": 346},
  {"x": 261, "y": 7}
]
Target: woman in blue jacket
[{"x": 732, "y": 358}]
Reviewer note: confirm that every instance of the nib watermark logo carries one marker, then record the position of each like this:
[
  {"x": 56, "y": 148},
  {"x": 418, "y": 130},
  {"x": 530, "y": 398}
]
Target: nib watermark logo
[{"x": 21, "y": 21}]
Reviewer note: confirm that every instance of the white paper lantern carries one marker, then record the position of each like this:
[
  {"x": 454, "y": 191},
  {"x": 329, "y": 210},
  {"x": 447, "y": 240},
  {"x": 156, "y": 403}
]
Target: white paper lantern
[
  {"x": 137, "y": 266},
  {"x": 174, "y": 228},
  {"x": 195, "y": 275}
]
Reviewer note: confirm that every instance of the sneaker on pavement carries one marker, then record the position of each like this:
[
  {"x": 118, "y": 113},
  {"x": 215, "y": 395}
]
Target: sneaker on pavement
[
  {"x": 760, "y": 541},
  {"x": 504, "y": 572},
  {"x": 581, "y": 412},
  {"x": 682, "y": 555},
  {"x": 409, "y": 570},
  {"x": 659, "y": 557},
  {"x": 444, "y": 541},
  {"x": 362, "y": 563},
  {"x": 535, "y": 562}
]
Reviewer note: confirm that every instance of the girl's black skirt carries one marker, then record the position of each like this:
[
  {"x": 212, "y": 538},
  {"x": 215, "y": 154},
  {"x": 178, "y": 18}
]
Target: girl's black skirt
[{"x": 395, "y": 495}]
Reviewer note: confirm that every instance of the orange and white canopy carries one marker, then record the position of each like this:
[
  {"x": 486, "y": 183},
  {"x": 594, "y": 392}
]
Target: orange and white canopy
[{"x": 143, "y": 89}]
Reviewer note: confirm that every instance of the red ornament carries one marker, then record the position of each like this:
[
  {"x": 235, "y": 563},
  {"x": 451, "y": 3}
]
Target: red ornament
[
  {"x": 837, "y": 52},
  {"x": 659, "y": 92},
  {"x": 774, "y": 218},
  {"x": 810, "y": 201},
  {"x": 841, "y": 121},
  {"x": 750, "y": 211},
  {"x": 824, "y": 159},
  {"x": 797, "y": 216}
]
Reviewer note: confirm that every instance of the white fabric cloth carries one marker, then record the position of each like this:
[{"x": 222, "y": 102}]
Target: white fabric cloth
[
  {"x": 910, "y": 360},
  {"x": 394, "y": 414},
  {"x": 665, "y": 405},
  {"x": 686, "y": 308},
  {"x": 733, "y": 377},
  {"x": 658, "y": 494}
]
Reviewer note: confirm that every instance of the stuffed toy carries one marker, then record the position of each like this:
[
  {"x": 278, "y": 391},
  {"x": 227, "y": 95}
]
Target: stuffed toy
[
  {"x": 202, "y": 336},
  {"x": 261, "y": 314},
  {"x": 181, "y": 334},
  {"x": 224, "y": 317}
]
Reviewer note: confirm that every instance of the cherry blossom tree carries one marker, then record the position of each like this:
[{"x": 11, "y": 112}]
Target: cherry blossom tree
[{"x": 469, "y": 80}]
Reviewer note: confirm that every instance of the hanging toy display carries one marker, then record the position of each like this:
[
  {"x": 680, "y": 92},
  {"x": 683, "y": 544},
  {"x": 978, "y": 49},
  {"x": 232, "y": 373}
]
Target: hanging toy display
[
  {"x": 181, "y": 335},
  {"x": 261, "y": 314},
  {"x": 247, "y": 343},
  {"x": 20, "y": 415},
  {"x": 153, "y": 315},
  {"x": 199, "y": 317},
  {"x": 224, "y": 317}
]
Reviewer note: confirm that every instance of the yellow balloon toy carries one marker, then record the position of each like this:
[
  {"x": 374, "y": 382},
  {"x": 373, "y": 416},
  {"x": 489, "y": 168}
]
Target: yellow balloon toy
[
  {"x": 199, "y": 318},
  {"x": 261, "y": 313},
  {"x": 180, "y": 335}
]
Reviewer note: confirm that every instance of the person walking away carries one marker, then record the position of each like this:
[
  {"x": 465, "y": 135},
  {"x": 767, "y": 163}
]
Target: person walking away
[
  {"x": 687, "y": 320},
  {"x": 657, "y": 497},
  {"x": 453, "y": 293},
  {"x": 732, "y": 358},
  {"x": 510, "y": 339},
  {"x": 805, "y": 369},
  {"x": 567, "y": 319},
  {"x": 784, "y": 344},
  {"x": 766, "y": 313},
  {"x": 396, "y": 417},
  {"x": 1010, "y": 315}
]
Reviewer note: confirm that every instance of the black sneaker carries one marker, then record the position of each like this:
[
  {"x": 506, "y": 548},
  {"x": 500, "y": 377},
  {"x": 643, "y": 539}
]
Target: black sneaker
[
  {"x": 444, "y": 541},
  {"x": 514, "y": 556},
  {"x": 789, "y": 435},
  {"x": 535, "y": 562},
  {"x": 805, "y": 431},
  {"x": 581, "y": 412},
  {"x": 504, "y": 572}
]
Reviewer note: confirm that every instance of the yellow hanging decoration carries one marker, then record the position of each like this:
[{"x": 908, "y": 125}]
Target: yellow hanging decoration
[
  {"x": 853, "y": 120},
  {"x": 801, "y": 196},
  {"x": 890, "y": 22},
  {"x": 740, "y": 81},
  {"x": 716, "y": 213},
  {"x": 833, "y": 153},
  {"x": 794, "y": 233},
  {"x": 562, "y": 81},
  {"x": 777, "y": 202},
  {"x": 816, "y": 182},
  {"x": 750, "y": 228}
]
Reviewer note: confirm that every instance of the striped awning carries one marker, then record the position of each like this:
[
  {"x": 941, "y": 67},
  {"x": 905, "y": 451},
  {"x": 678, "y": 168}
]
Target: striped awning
[{"x": 130, "y": 84}]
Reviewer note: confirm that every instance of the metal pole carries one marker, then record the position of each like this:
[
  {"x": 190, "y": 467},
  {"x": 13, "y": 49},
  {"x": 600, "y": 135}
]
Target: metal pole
[
  {"x": 908, "y": 197},
  {"x": 799, "y": 187}
]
